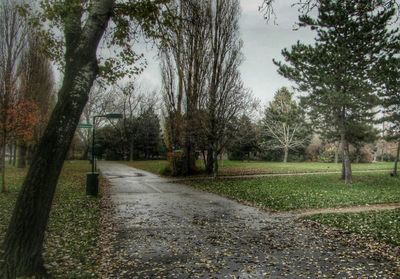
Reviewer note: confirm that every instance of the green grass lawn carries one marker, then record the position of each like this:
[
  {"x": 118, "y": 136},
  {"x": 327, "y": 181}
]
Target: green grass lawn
[
  {"x": 71, "y": 239},
  {"x": 322, "y": 191},
  {"x": 309, "y": 191},
  {"x": 256, "y": 167},
  {"x": 383, "y": 225},
  {"x": 251, "y": 167}
]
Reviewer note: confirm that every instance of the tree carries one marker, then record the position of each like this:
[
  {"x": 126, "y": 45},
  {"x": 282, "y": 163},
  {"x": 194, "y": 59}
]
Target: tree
[
  {"x": 284, "y": 125},
  {"x": 36, "y": 86},
  {"x": 360, "y": 135},
  {"x": 184, "y": 67},
  {"x": 246, "y": 140},
  {"x": 149, "y": 133},
  {"x": 145, "y": 140},
  {"x": 388, "y": 79},
  {"x": 83, "y": 24},
  {"x": 226, "y": 97},
  {"x": 352, "y": 36},
  {"x": 204, "y": 94},
  {"x": 307, "y": 6},
  {"x": 12, "y": 42},
  {"x": 97, "y": 104}
]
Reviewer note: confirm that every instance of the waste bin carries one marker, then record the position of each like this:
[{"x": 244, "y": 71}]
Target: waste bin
[{"x": 92, "y": 183}]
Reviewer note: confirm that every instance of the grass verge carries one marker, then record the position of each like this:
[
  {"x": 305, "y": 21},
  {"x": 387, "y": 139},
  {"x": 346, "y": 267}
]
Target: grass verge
[
  {"x": 301, "y": 192},
  {"x": 70, "y": 249},
  {"x": 153, "y": 166},
  {"x": 256, "y": 167},
  {"x": 382, "y": 226}
]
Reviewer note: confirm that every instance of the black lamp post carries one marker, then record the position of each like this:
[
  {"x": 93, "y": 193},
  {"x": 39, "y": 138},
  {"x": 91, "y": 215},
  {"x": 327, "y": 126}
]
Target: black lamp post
[{"x": 92, "y": 178}]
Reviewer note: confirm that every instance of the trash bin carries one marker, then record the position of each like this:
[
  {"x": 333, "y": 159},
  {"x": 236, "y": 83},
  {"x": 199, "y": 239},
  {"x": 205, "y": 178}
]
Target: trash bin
[{"x": 92, "y": 183}]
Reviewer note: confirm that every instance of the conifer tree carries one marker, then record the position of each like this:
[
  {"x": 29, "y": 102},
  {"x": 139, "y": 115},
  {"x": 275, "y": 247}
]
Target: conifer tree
[
  {"x": 351, "y": 39},
  {"x": 388, "y": 76}
]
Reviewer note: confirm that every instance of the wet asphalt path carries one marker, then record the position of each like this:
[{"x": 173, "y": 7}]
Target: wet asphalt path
[{"x": 168, "y": 230}]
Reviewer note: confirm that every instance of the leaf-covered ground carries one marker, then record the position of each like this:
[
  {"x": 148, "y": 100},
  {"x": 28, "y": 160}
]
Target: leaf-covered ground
[
  {"x": 257, "y": 167},
  {"x": 71, "y": 239},
  {"x": 382, "y": 225}
]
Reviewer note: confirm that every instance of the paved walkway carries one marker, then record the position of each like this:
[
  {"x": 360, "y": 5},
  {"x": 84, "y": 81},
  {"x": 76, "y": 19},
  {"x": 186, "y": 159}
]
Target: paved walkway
[{"x": 168, "y": 230}]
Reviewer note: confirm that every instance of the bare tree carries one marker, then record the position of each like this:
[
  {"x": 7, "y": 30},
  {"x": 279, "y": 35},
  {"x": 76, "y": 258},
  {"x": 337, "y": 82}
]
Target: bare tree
[
  {"x": 36, "y": 87},
  {"x": 202, "y": 87},
  {"x": 133, "y": 100},
  {"x": 12, "y": 42},
  {"x": 226, "y": 97},
  {"x": 306, "y": 6},
  {"x": 100, "y": 101},
  {"x": 185, "y": 68},
  {"x": 284, "y": 125}
]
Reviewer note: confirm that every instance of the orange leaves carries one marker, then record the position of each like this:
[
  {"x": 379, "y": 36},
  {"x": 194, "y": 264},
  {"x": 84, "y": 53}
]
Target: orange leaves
[{"x": 22, "y": 118}]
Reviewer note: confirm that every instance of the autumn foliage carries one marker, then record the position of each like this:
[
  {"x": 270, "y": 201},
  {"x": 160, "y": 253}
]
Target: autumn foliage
[{"x": 21, "y": 119}]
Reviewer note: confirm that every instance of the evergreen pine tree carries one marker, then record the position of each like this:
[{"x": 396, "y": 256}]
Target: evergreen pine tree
[{"x": 336, "y": 72}]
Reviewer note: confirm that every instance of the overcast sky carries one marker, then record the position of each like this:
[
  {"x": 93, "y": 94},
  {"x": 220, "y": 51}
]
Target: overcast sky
[{"x": 263, "y": 41}]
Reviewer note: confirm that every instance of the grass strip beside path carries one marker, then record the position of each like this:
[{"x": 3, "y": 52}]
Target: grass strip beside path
[
  {"x": 232, "y": 168},
  {"x": 302, "y": 192},
  {"x": 71, "y": 240},
  {"x": 153, "y": 166},
  {"x": 380, "y": 225}
]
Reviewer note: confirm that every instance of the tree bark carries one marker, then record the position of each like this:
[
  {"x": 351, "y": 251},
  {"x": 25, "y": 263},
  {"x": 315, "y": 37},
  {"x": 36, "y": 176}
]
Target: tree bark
[
  {"x": 215, "y": 171},
  {"x": 22, "y": 151},
  {"x": 286, "y": 154},
  {"x": 210, "y": 161},
  {"x": 23, "y": 242},
  {"x": 397, "y": 159},
  {"x": 346, "y": 160},
  {"x": 343, "y": 176}
]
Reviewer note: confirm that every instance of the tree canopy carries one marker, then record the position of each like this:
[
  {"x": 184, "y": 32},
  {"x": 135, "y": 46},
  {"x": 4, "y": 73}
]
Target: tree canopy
[{"x": 351, "y": 39}]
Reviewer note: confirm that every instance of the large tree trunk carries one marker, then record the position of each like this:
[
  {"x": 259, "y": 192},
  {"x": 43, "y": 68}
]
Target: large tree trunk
[
  {"x": 22, "y": 151},
  {"x": 210, "y": 161},
  {"x": 215, "y": 171},
  {"x": 190, "y": 160},
  {"x": 397, "y": 159},
  {"x": 285, "y": 154},
  {"x": 190, "y": 152},
  {"x": 343, "y": 176},
  {"x": 347, "y": 173},
  {"x": 23, "y": 243}
]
